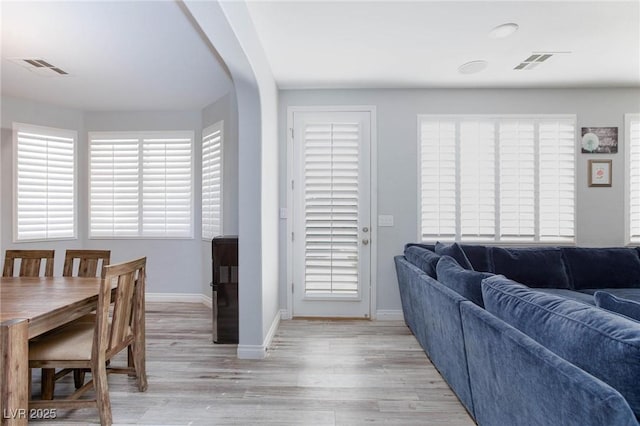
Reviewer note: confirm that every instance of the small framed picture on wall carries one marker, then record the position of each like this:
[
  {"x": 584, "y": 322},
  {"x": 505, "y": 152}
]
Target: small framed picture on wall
[
  {"x": 599, "y": 140},
  {"x": 600, "y": 173}
]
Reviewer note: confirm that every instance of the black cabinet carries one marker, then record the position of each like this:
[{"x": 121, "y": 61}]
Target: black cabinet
[{"x": 224, "y": 253}]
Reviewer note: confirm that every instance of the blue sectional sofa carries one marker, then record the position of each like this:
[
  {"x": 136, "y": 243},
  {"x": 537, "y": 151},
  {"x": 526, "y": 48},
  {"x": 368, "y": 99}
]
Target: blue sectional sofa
[{"x": 517, "y": 336}]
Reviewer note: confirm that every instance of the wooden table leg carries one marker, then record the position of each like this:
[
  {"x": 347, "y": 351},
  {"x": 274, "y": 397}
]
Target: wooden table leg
[{"x": 14, "y": 372}]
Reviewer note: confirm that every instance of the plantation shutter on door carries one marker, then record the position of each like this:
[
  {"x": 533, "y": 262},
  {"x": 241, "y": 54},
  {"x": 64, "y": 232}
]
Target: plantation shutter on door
[
  {"x": 212, "y": 181},
  {"x": 331, "y": 152},
  {"x": 45, "y": 183},
  {"x": 633, "y": 137}
]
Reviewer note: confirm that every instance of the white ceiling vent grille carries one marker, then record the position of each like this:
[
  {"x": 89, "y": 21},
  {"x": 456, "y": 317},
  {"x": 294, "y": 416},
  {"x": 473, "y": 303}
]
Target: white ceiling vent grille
[
  {"x": 533, "y": 61},
  {"x": 39, "y": 66}
]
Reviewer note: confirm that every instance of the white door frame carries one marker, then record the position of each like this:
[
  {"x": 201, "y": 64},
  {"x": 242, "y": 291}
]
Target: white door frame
[{"x": 373, "y": 197}]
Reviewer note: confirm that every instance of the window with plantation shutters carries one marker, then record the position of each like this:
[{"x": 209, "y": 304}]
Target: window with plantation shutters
[
  {"x": 331, "y": 208},
  {"x": 45, "y": 160},
  {"x": 141, "y": 184},
  {"x": 212, "y": 139},
  {"x": 497, "y": 178},
  {"x": 632, "y": 136}
]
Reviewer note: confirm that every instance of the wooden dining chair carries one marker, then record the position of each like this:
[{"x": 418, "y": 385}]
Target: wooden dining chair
[
  {"x": 82, "y": 344},
  {"x": 88, "y": 263},
  {"x": 77, "y": 263},
  {"x": 30, "y": 262}
]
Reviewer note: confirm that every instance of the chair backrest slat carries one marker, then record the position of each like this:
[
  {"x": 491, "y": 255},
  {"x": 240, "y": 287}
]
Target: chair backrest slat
[
  {"x": 88, "y": 262},
  {"x": 128, "y": 307},
  {"x": 30, "y": 262}
]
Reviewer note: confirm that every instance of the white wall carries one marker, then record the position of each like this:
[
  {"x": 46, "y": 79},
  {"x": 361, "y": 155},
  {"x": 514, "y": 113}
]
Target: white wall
[
  {"x": 600, "y": 216},
  {"x": 240, "y": 20},
  {"x": 228, "y": 27}
]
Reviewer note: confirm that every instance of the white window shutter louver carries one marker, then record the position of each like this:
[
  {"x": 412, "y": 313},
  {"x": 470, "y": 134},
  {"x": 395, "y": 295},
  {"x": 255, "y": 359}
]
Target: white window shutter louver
[
  {"x": 477, "y": 180},
  {"x": 633, "y": 144},
  {"x": 212, "y": 142},
  {"x": 517, "y": 180},
  {"x": 438, "y": 179},
  {"x": 45, "y": 183},
  {"x": 114, "y": 187},
  {"x": 557, "y": 180},
  {"x": 166, "y": 187}
]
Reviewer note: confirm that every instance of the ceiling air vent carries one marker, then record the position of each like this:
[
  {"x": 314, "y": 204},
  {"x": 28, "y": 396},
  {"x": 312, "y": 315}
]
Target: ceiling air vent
[
  {"x": 533, "y": 61},
  {"x": 39, "y": 66}
]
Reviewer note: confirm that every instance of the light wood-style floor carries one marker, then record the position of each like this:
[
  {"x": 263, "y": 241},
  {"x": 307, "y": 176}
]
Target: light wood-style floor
[{"x": 318, "y": 372}]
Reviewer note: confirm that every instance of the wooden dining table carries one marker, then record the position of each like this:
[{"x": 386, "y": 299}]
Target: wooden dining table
[{"x": 28, "y": 308}]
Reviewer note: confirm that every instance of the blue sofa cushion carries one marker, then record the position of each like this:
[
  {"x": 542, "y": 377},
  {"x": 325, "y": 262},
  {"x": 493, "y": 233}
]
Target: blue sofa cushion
[
  {"x": 625, "y": 293},
  {"x": 455, "y": 251},
  {"x": 463, "y": 281},
  {"x": 431, "y": 247},
  {"x": 423, "y": 258},
  {"x": 602, "y": 267},
  {"x": 478, "y": 257},
  {"x": 535, "y": 267},
  {"x": 625, "y": 307},
  {"x": 570, "y": 294},
  {"x": 603, "y": 344}
]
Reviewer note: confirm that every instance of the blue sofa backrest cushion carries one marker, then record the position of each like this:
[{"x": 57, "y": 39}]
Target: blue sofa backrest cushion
[
  {"x": 463, "y": 281},
  {"x": 621, "y": 306},
  {"x": 603, "y": 344},
  {"x": 534, "y": 267},
  {"x": 478, "y": 256},
  {"x": 431, "y": 247},
  {"x": 454, "y": 250},
  {"x": 602, "y": 267},
  {"x": 423, "y": 258}
]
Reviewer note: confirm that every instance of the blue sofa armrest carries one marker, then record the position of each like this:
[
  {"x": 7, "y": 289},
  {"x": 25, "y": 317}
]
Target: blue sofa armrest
[{"x": 516, "y": 381}]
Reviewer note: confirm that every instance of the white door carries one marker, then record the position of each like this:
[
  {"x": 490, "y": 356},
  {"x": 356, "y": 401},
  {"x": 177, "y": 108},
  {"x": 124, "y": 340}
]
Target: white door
[{"x": 331, "y": 214}]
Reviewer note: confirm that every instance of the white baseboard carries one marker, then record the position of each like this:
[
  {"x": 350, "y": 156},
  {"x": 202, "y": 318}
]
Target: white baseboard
[
  {"x": 381, "y": 315},
  {"x": 260, "y": 351},
  {"x": 285, "y": 314},
  {"x": 251, "y": 352},
  {"x": 389, "y": 315},
  {"x": 178, "y": 297},
  {"x": 207, "y": 300}
]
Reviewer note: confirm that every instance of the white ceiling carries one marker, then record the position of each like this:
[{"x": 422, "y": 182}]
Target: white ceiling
[
  {"x": 394, "y": 44},
  {"x": 119, "y": 55},
  {"x": 147, "y": 55}
]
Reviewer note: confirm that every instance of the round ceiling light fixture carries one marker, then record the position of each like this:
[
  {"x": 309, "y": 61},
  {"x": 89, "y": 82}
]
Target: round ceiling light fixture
[
  {"x": 472, "y": 67},
  {"x": 504, "y": 30}
]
